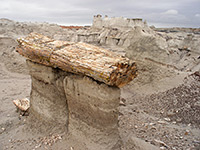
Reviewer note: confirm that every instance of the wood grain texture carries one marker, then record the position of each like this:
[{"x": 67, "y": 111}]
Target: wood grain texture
[{"x": 79, "y": 58}]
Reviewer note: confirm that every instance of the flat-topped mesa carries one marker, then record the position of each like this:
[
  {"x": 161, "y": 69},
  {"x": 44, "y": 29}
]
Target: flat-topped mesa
[
  {"x": 79, "y": 58},
  {"x": 121, "y": 23}
]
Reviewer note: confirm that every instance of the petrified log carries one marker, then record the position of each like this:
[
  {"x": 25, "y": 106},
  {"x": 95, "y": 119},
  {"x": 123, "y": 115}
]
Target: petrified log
[
  {"x": 80, "y": 58},
  {"x": 22, "y": 104}
]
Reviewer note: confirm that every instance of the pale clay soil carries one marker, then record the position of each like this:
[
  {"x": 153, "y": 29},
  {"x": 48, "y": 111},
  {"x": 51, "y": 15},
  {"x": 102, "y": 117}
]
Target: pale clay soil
[
  {"x": 161, "y": 107},
  {"x": 163, "y": 112}
]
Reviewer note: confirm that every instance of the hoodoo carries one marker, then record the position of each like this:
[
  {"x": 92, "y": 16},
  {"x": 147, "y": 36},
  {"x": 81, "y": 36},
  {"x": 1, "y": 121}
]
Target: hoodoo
[{"x": 76, "y": 85}]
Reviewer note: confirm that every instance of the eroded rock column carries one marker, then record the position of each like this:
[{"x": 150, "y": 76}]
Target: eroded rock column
[
  {"x": 87, "y": 108},
  {"x": 48, "y": 101},
  {"x": 93, "y": 112},
  {"x": 86, "y": 103}
]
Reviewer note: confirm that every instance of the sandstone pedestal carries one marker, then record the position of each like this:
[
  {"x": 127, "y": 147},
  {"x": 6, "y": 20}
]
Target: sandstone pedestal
[
  {"x": 48, "y": 104},
  {"x": 87, "y": 108},
  {"x": 93, "y": 112},
  {"x": 76, "y": 86}
]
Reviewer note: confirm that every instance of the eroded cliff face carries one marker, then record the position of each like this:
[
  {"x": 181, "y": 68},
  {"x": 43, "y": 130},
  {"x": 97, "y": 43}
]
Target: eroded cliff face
[
  {"x": 117, "y": 22},
  {"x": 137, "y": 41},
  {"x": 84, "y": 108},
  {"x": 176, "y": 50}
]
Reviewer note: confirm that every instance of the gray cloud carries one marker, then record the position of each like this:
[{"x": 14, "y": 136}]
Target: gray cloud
[{"x": 166, "y": 13}]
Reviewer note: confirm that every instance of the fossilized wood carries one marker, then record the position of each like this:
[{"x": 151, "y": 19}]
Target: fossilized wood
[
  {"x": 22, "y": 104},
  {"x": 80, "y": 58}
]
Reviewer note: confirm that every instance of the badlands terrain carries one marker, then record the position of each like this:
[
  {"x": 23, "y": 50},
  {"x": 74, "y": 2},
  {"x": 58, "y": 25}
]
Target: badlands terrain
[{"x": 160, "y": 109}]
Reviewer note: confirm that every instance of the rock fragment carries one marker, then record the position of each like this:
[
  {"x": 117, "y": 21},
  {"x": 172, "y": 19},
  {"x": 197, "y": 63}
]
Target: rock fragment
[{"x": 22, "y": 104}]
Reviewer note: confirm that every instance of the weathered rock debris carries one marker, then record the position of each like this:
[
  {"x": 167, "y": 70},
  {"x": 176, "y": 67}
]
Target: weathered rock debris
[{"x": 80, "y": 58}]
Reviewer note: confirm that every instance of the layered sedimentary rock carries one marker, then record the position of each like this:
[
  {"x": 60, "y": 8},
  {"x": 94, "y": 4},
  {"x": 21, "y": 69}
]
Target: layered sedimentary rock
[
  {"x": 87, "y": 108},
  {"x": 47, "y": 100},
  {"x": 80, "y": 58},
  {"x": 93, "y": 112},
  {"x": 117, "y": 22},
  {"x": 76, "y": 86},
  {"x": 177, "y": 47},
  {"x": 174, "y": 48}
]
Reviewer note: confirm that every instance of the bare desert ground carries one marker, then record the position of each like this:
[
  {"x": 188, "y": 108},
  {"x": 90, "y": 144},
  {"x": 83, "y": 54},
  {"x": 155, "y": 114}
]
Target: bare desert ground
[{"x": 160, "y": 109}]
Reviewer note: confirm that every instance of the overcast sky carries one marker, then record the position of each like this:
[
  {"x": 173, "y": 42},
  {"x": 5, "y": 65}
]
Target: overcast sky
[{"x": 161, "y": 13}]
